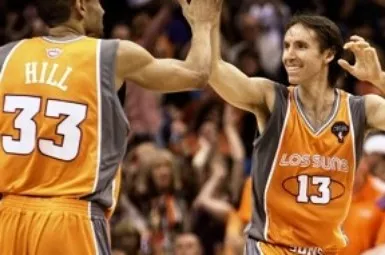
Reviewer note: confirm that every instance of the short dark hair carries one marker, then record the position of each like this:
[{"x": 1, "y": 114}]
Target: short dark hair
[
  {"x": 329, "y": 37},
  {"x": 55, "y": 12}
]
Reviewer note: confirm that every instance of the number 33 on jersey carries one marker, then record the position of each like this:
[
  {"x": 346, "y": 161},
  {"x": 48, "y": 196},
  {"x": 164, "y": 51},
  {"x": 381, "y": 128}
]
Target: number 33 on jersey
[{"x": 61, "y": 112}]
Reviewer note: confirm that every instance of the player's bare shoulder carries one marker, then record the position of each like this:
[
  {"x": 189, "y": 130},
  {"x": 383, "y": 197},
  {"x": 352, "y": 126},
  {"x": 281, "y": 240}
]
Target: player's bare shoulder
[
  {"x": 265, "y": 89},
  {"x": 6, "y": 49},
  {"x": 130, "y": 57}
]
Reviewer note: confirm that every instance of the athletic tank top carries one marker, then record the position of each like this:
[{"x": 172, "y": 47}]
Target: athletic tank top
[
  {"x": 63, "y": 131},
  {"x": 303, "y": 177}
]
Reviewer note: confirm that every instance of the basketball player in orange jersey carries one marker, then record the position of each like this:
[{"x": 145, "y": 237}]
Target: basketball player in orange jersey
[
  {"x": 305, "y": 160},
  {"x": 62, "y": 130}
]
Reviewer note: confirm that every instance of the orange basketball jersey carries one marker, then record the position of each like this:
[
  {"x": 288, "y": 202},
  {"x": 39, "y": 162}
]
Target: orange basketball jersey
[
  {"x": 63, "y": 132},
  {"x": 303, "y": 177}
]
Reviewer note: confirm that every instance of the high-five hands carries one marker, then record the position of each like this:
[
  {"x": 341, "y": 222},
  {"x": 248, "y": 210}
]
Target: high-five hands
[{"x": 201, "y": 11}]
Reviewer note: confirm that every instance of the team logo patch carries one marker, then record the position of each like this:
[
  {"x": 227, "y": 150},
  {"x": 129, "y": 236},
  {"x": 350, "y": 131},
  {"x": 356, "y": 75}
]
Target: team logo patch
[
  {"x": 340, "y": 130},
  {"x": 54, "y": 52}
]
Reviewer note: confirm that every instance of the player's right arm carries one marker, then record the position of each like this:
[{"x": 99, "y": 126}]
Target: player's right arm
[
  {"x": 168, "y": 75},
  {"x": 250, "y": 94},
  {"x": 136, "y": 64}
]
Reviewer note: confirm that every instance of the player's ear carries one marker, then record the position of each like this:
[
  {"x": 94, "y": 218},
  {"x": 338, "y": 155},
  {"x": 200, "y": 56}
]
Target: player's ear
[
  {"x": 329, "y": 55},
  {"x": 80, "y": 8}
]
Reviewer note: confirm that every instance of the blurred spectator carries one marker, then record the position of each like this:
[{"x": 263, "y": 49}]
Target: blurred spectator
[
  {"x": 369, "y": 183},
  {"x": 142, "y": 106},
  {"x": 261, "y": 29},
  {"x": 26, "y": 25},
  {"x": 237, "y": 220},
  {"x": 38, "y": 28},
  {"x": 365, "y": 215},
  {"x": 121, "y": 31},
  {"x": 162, "y": 204},
  {"x": 209, "y": 198},
  {"x": 187, "y": 244}
]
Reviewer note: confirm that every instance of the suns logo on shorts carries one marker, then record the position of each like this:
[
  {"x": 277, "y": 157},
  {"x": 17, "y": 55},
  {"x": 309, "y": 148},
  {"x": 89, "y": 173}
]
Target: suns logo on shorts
[{"x": 307, "y": 250}]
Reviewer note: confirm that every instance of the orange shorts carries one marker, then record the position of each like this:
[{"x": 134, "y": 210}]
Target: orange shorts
[
  {"x": 52, "y": 226},
  {"x": 261, "y": 248}
]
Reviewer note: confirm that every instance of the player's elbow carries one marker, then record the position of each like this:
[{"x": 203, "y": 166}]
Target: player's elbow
[
  {"x": 197, "y": 79},
  {"x": 201, "y": 71},
  {"x": 202, "y": 79}
]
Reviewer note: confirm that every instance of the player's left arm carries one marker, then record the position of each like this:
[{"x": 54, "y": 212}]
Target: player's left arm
[
  {"x": 375, "y": 112},
  {"x": 367, "y": 67}
]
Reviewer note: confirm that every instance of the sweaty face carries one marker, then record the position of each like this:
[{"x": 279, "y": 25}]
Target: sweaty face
[
  {"x": 302, "y": 57},
  {"x": 93, "y": 19}
]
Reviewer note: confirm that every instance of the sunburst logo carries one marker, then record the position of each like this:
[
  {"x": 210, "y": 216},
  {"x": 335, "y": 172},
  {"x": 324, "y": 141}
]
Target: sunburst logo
[{"x": 54, "y": 52}]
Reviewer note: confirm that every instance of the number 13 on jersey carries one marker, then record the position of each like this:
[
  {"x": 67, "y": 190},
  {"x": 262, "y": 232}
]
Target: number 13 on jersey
[
  {"x": 313, "y": 189},
  {"x": 26, "y": 108},
  {"x": 323, "y": 185}
]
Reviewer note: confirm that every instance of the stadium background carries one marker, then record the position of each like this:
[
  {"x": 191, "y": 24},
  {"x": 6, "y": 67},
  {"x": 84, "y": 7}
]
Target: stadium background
[{"x": 189, "y": 154}]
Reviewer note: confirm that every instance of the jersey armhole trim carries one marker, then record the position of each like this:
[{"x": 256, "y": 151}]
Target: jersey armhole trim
[
  {"x": 277, "y": 90},
  {"x": 99, "y": 102},
  {"x": 273, "y": 167},
  {"x": 8, "y": 58},
  {"x": 113, "y": 67}
]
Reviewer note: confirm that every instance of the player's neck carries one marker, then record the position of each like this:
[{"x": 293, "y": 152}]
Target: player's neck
[
  {"x": 316, "y": 97},
  {"x": 316, "y": 92},
  {"x": 66, "y": 30}
]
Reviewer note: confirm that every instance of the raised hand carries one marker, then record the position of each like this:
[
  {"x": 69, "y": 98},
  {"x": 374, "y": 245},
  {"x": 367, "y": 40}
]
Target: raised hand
[
  {"x": 201, "y": 11},
  {"x": 367, "y": 65}
]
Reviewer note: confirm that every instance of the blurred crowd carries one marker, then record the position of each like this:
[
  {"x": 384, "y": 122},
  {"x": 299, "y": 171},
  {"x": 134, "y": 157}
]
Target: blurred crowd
[{"x": 186, "y": 186}]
